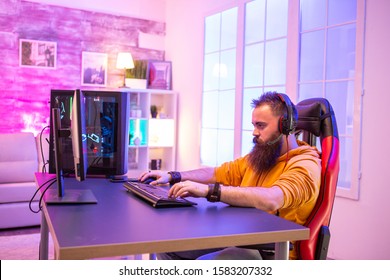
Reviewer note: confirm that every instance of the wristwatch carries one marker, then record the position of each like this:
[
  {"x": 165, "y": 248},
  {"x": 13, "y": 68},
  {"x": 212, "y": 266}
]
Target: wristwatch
[
  {"x": 175, "y": 177},
  {"x": 214, "y": 193}
]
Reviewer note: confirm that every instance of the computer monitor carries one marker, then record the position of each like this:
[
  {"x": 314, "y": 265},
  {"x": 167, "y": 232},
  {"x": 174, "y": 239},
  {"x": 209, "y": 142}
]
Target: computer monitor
[
  {"x": 107, "y": 127},
  {"x": 77, "y": 133}
]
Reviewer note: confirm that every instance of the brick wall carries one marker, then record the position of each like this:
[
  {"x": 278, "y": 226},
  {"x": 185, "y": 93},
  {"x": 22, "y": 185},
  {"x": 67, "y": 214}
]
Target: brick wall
[{"x": 25, "y": 92}]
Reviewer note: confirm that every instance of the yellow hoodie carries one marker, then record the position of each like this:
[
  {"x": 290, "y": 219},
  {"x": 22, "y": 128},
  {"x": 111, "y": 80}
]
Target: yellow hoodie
[{"x": 299, "y": 179}]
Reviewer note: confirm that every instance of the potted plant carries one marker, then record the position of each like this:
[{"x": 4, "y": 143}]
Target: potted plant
[
  {"x": 153, "y": 111},
  {"x": 136, "y": 77}
]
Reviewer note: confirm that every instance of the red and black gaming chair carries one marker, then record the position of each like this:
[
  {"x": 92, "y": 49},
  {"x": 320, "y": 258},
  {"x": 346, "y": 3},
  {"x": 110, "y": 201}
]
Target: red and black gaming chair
[{"x": 316, "y": 119}]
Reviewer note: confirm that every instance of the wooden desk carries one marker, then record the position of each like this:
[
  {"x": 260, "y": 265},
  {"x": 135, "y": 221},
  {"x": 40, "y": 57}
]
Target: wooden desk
[{"x": 123, "y": 224}]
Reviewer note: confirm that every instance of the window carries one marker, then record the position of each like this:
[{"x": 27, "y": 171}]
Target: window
[
  {"x": 219, "y": 84},
  {"x": 317, "y": 52},
  {"x": 329, "y": 65},
  {"x": 265, "y": 53}
]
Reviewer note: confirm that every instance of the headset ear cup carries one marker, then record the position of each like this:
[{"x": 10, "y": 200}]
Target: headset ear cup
[
  {"x": 284, "y": 126},
  {"x": 287, "y": 124}
]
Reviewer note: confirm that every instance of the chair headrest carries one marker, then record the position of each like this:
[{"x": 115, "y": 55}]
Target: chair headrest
[{"x": 316, "y": 116}]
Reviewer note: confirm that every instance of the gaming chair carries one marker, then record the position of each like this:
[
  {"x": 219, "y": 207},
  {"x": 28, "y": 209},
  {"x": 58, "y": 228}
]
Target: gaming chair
[{"x": 316, "y": 119}]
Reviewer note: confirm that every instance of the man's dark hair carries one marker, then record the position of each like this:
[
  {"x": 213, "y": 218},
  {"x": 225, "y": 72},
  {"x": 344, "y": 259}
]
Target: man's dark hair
[{"x": 272, "y": 99}]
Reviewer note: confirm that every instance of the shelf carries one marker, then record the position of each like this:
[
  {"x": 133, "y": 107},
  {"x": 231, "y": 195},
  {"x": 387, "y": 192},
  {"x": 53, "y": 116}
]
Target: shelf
[{"x": 151, "y": 138}]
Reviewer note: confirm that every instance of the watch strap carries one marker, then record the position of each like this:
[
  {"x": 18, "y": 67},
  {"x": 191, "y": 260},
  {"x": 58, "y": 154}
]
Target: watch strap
[{"x": 214, "y": 193}]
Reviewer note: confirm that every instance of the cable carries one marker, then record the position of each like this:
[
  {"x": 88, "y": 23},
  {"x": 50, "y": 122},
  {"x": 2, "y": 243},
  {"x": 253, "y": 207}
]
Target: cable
[
  {"x": 287, "y": 157},
  {"x": 43, "y": 193},
  {"x": 42, "y": 154},
  {"x": 44, "y": 167},
  {"x": 51, "y": 181}
]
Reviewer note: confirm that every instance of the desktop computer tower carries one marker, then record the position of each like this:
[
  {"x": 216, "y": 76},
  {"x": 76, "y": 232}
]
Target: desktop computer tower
[{"x": 107, "y": 136}]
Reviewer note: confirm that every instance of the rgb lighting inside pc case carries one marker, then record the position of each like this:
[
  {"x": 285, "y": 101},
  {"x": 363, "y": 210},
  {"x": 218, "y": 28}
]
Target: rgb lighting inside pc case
[{"x": 107, "y": 134}]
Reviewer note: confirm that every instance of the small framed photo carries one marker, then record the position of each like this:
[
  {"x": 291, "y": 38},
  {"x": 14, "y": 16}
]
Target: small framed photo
[
  {"x": 159, "y": 74},
  {"x": 37, "y": 54},
  {"x": 94, "y": 69}
]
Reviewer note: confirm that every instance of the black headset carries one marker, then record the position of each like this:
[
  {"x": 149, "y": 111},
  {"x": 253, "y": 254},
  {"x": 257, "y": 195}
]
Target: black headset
[{"x": 288, "y": 122}]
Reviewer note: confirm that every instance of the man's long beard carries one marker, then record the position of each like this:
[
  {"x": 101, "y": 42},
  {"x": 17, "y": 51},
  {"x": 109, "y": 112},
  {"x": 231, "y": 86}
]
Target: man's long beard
[{"x": 263, "y": 156}]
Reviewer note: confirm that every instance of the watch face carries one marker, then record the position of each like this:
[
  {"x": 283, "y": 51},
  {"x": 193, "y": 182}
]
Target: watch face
[
  {"x": 213, "y": 198},
  {"x": 214, "y": 194}
]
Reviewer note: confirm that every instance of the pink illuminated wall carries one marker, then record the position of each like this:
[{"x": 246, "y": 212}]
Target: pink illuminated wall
[{"x": 25, "y": 92}]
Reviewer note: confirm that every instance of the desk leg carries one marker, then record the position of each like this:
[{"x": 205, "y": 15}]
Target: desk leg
[
  {"x": 44, "y": 242},
  {"x": 281, "y": 250}
]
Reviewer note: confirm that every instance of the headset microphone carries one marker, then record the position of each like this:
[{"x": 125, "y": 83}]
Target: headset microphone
[{"x": 270, "y": 143}]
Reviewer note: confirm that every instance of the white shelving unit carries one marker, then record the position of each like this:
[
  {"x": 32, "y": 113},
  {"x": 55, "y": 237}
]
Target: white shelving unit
[{"x": 151, "y": 138}]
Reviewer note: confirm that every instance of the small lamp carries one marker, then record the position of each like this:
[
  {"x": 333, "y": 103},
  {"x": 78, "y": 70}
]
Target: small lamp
[{"x": 124, "y": 61}]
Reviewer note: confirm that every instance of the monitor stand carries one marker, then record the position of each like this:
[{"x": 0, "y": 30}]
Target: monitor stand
[
  {"x": 60, "y": 195},
  {"x": 71, "y": 196}
]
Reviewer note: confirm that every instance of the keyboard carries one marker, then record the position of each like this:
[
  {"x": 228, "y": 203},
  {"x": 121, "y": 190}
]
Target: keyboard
[{"x": 156, "y": 196}]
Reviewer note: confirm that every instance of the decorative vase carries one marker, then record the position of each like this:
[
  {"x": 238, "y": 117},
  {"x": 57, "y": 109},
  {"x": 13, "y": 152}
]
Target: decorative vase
[{"x": 135, "y": 83}]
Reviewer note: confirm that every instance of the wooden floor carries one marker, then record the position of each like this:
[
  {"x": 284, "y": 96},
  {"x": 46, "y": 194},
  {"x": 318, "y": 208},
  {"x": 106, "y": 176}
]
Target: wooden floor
[{"x": 18, "y": 231}]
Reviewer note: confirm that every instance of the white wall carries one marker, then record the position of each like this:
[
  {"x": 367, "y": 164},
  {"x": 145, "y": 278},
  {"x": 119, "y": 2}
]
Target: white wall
[
  {"x": 184, "y": 46},
  {"x": 145, "y": 9}
]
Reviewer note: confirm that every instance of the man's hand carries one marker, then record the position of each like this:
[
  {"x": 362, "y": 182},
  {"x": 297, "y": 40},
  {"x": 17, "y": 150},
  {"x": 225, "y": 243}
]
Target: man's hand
[
  {"x": 189, "y": 188},
  {"x": 162, "y": 177}
]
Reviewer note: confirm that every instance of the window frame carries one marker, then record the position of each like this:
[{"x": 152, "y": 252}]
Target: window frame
[{"x": 353, "y": 191}]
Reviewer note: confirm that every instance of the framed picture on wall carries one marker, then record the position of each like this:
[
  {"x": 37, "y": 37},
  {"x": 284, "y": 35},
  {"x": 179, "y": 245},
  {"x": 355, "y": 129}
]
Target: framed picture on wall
[
  {"x": 159, "y": 74},
  {"x": 94, "y": 69},
  {"x": 37, "y": 54}
]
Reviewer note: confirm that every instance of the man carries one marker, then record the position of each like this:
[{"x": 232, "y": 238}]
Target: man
[{"x": 281, "y": 175}]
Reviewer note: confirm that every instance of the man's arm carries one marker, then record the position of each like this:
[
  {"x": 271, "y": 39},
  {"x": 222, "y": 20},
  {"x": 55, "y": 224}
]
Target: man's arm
[
  {"x": 202, "y": 175},
  {"x": 267, "y": 199},
  {"x": 194, "y": 183}
]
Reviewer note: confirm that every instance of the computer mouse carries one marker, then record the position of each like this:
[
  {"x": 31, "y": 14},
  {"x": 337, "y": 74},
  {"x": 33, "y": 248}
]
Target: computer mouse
[{"x": 149, "y": 180}]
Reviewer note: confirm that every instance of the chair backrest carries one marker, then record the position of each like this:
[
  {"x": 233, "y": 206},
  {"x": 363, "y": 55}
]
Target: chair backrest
[{"x": 316, "y": 119}]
